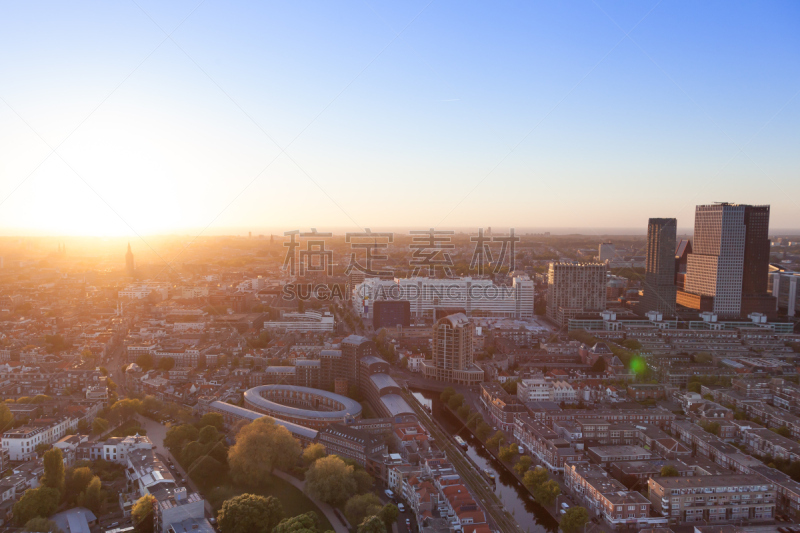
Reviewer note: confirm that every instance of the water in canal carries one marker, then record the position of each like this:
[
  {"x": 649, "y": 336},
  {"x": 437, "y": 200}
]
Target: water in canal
[{"x": 516, "y": 499}]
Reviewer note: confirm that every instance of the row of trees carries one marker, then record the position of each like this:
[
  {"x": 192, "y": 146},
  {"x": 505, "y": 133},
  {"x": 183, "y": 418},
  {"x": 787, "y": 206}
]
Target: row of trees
[{"x": 76, "y": 486}]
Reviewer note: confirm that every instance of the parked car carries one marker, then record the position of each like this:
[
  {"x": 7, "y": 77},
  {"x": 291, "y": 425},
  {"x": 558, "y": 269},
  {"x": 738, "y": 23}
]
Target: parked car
[
  {"x": 401, "y": 507},
  {"x": 389, "y": 494}
]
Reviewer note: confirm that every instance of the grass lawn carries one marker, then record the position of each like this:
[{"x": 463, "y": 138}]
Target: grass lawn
[{"x": 293, "y": 500}]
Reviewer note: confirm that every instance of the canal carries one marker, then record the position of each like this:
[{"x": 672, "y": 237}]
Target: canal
[{"x": 516, "y": 499}]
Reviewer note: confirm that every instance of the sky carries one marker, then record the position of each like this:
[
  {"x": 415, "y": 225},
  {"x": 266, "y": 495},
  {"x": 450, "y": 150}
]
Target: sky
[{"x": 128, "y": 118}]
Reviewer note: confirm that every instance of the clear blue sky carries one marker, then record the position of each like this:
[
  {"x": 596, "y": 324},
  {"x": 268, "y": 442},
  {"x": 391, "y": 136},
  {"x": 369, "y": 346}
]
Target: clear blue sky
[{"x": 526, "y": 114}]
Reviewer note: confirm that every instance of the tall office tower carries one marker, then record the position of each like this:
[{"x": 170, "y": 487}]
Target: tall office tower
[
  {"x": 606, "y": 252},
  {"x": 129, "y": 265},
  {"x": 659, "y": 280},
  {"x": 755, "y": 296},
  {"x": 714, "y": 268},
  {"x": 574, "y": 289},
  {"x": 453, "y": 352}
]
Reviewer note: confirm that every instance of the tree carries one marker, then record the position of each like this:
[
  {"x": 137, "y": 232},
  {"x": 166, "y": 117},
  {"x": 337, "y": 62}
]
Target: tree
[
  {"x": 574, "y": 520},
  {"x": 178, "y": 436},
  {"x": 496, "y": 440},
  {"x": 703, "y": 358},
  {"x": 455, "y": 401},
  {"x": 694, "y": 386},
  {"x": 208, "y": 435},
  {"x": 304, "y": 523},
  {"x": 6, "y": 416},
  {"x": 39, "y": 502},
  {"x": 166, "y": 364},
  {"x": 145, "y": 361},
  {"x": 483, "y": 430},
  {"x": 261, "y": 445},
  {"x": 363, "y": 480},
  {"x": 313, "y": 452},
  {"x": 547, "y": 492},
  {"x": 53, "y": 469},
  {"x": 151, "y": 404},
  {"x": 124, "y": 410},
  {"x": 783, "y": 431},
  {"x": 389, "y": 515},
  {"x": 473, "y": 419},
  {"x": 507, "y": 453},
  {"x": 212, "y": 419},
  {"x": 463, "y": 411},
  {"x": 143, "y": 514},
  {"x": 711, "y": 427},
  {"x": 372, "y": 524},
  {"x": 92, "y": 497},
  {"x": 76, "y": 481},
  {"x": 446, "y": 394},
  {"x": 330, "y": 480},
  {"x": 669, "y": 471},
  {"x": 523, "y": 465},
  {"x": 534, "y": 478},
  {"x": 206, "y": 470},
  {"x": 359, "y": 507},
  {"x": 250, "y": 513},
  {"x": 41, "y": 525},
  {"x": 99, "y": 426}
]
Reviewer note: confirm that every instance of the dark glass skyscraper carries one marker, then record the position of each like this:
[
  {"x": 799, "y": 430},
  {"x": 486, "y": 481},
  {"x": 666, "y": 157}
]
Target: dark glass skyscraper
[
  {"x": 755, "y": 297},
  {"x": 659, "y": 282}
]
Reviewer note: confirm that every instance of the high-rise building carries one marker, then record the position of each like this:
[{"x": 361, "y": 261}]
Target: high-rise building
[
  {"x": 659, "y": 281},
  {"x": 728, "y": 269},
  {"x": 606, "y": 252},
  {"x": 755, "y": 295},
  {"x": 574, "y": 289},
  {"x": 715, "y": 266},
  {"x": 453, "y": 352},
  {"x": 130, "y": 267}
]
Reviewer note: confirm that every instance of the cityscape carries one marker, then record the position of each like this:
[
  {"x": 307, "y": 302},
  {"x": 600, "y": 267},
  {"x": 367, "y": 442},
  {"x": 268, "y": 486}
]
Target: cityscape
[{"x": 422, "y": 267}]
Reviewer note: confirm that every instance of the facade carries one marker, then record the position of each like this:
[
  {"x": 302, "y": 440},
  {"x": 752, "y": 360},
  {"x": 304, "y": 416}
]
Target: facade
[
  {"x": 354, "y": 347},
  {"x": 453, "y": 352},
  {"x": 21, "y": 443},
  {"x": 606, "y": 252},
  {"x": 130, "y": 267},
  {"x": 310, "y": 321},
  {"x": 659, "y": 283},
  {"x": 721, "y": 498},
  {"x": 574, "y": 289},
  {"x": 351, "y": 443},
  {"x": 784, "y": 287},
  {"x": 755, "y": 297},
  {"x": 715, "y": 269},
  {"x": 479, "y": 297}
]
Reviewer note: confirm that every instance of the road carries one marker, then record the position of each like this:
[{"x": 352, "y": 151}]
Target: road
[
  {"x": 156, "y": 433},
  {"x": 472, "y": 478}
]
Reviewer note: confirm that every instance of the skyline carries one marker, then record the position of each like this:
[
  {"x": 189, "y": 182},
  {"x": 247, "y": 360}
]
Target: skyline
[{"x": 528, "y": 116}]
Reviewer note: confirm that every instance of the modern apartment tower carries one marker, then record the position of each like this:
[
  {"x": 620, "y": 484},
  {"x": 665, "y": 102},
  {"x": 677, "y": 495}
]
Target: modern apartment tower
[
  {"x": 453, "y": 352},
  {"x": 714, "y": 269},
  {"x": 574, "y": 289},
  {"x": 659, "y": 281}
]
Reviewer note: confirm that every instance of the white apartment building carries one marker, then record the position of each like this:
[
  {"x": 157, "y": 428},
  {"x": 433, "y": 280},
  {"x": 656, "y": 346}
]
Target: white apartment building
[
  {"x": 606, "y": 252},
  {"x": 308, "y": 321},
  {"x": 475, "y": 296},
  {"x": 535, "y": 390},
  {"x": 715, "y": 266},
  {"x": 544, "y": 390},
  {"x": 194, "y": 292},
  {"x": 21, "y": 443}
]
